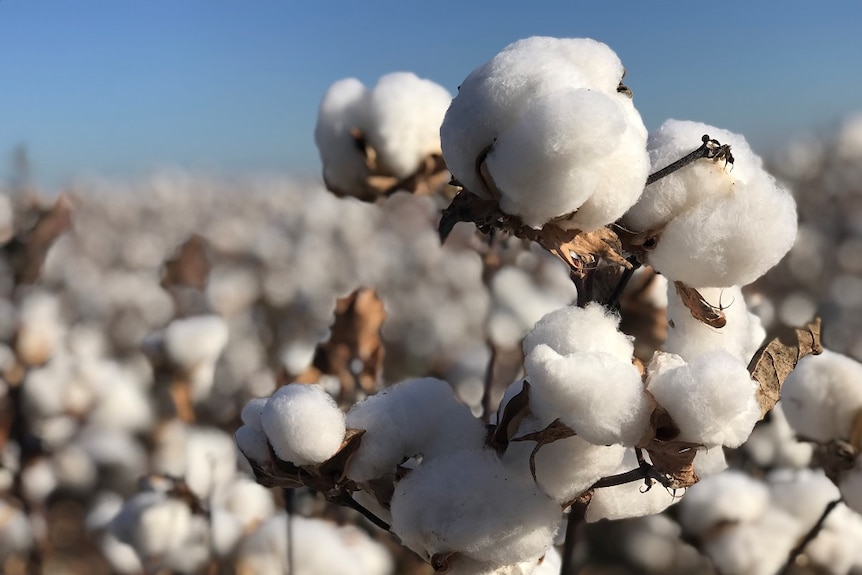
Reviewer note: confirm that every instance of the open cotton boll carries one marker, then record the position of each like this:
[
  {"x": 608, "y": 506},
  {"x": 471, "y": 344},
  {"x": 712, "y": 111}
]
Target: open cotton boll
[
  {"x": 524, "y": 88},
  {"x": 572, "y": 329},
  {"x": 759, "y": 547},
  {"x": 404, "y": 117},
  {"x": 822, "y": 396},
  {"x": 252, "y": 411},
  {"x": 712, "y": 399},
  {"x": 343, "y": 108},
  {"x": 731, "y": 239},
  {"x": 16, "y": 532},
  {"x": 688, "y": 337},
  {"x": 566, "y": 147},
  {"x": 252, "y": 443},
  {"x": 835, "y": 550},
  {"x": 629, "y": 499},
  {"x": 303, "y": 424},
  {"x": 195, "y": 340},
  {"x": 414, "y": 417},
  {"x": 701, "y": 181},
  {"x": 804, "y": 493},
  {"x": 773, "y": 443},
  {"x": 729, "y": 497},
  {"x": 709, "y": 462},
  {"x": 594, "y": 393},
  {"x": 470, "y": 503}
]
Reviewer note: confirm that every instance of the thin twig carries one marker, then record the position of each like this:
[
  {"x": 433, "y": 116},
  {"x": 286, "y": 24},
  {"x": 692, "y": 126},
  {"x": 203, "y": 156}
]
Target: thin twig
[
  {"x": 708, "y": 149},
  {"x": 614, "y": 299},
  {"x": 487, "y": 396},
  {"x": 289, "y": 500},
  {"x": 577, "y": 513},
  {"x": 344, "y": 498},
  {"x": 809, "y": 537}
]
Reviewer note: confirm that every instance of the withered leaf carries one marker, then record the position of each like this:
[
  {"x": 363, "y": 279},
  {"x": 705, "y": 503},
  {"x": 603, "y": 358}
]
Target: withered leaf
[
  {"x": 382, "y": 488},
  {"x": 670, "y": 456},
  {"x": 856, "y": 431},
  {"x": 513, "y": 413},
  {"x": 335, "y": 467},
  {"x": 587, "y": 247},
  {"x": 555, "y": 431},
  {"x": 189, "y": 266},
  {"x": 27, "y": 249},
  {"x": 700, "y": 309},
  {"x": 773, "y": 362}
]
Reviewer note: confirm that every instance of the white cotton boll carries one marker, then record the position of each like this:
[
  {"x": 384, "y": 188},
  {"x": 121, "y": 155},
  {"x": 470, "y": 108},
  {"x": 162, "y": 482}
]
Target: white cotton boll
[
  {"x": 414, "y": 417},
  {"x": 773, "y": 443},
  {"x": 703, "y": 180},
  {"x": 568, "y": 467},
  {"x": 303, "y": 424},
  {"x": 709, "y": 462},
  {"x": 16, "y": 533},
  {"x": 251, "y": 412},
  {"x": 195, "y": 340},
  {"x": 850, "y": 485},
  {"x": 470, "y": 503},
  {"x": 342, "y": 109},
  {"x": 404, "y": 117},
  {"x": 550, "y": 564},
  {"x": 822, "y": 396},
  {"x": 835, "y": 550},
  {"x": 756, "y": 548},
  {"x": 629, "y": 499},
  {"x": 124, "y": 404},
  {"x": 712, "y": 399},
  {"x": 226, "y": 531},
  {"x": 74, "y": 468},
  {"x": 39, "y": 480},
  {"x": 121, "y": 556},
  {"x": 730, "y": 497},
  {"x": 732, "y": 239},
  {"x": 594, "y": 393},
  {"x": 252, "y": 443},
  {"x": 530, "y": 83},
  {"x": 566, "y": 147},
  {"x": 572, "y": 329},
  {"x": 804, "y": 493},
  {"x": 688, "y": 337},
  {"x": 205, "y": 457},
  {"x": 249, "y": 502},
  {"x": 372, "y": 558},
  {"x": 40, "y": 328}
]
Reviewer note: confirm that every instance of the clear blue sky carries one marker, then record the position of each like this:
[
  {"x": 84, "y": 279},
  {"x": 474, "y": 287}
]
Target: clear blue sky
[{"x": 120, "y": 87}]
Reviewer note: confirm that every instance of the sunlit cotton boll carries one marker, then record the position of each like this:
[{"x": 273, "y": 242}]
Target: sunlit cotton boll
[
  {"x": 719, "y": 224},
  {"x": 711, "y": 399},
  {"x": 470, "y": 503},
  {"x": 404, "y": 117},
  {"x": 303, "y": 424},
  {"x": 822, "y": 396},
  {"x": 594, "y": 393},
  {"x": 342, "y": 109},
  {"x": 418, "y": 417},
  {"x": 556, "y": 133},
  {"x": 730, "y": 497},
  {"x": 572, "y": 329}
]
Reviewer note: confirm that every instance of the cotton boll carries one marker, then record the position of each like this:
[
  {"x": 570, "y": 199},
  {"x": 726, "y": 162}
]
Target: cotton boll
[
  {"x": 342, "y": 109},
  {"x": 565, "y": 148},
  {"x": 205, "y": 457},
  {"x": 303, "y": 424},
  {"x": 16, "y": 533},
  {"x": 804, "y": 493},
  {"x": 729, "y": 497},
  {"x": 709, "y": 462},
  {"x": 822, "y": 396},
  {"x": 712, "y": 399},
  {"x": 568, "y": 467},
  {"x": 756, "y": 548},
  {"x": 40, "y": 328},
  {"x": 121, "y": 556},
  {"x": 39, "y": 480},
  {"x": 732, "y": 239},
  {"x": 414, "y": 417},
  {"x": 835, "y": 550},
  {"x": 477, "y": 508},
  {"x": 573, "y": 329},
  {"x": 598, "y": 396},
  {"x": 524, "y": 86},
  {"x": 226, "y": 531},
  {"x": 688, "y": 337},
  {"x": 629, "y": 499},
  {"x": 773, "y": 443},
  {"x": 404, "y": 117},
  {"x": 195, "y": 340},
  {"x": 249, "y": 502},
  {"x": 252, "y": 411}
]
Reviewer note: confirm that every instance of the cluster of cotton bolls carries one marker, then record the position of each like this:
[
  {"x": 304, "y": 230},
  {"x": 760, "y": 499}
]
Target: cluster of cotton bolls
[
  {"x": 822, "y": 274},
  {"x": 388, "y": 130},
  {"x": 749, "y": 526}
]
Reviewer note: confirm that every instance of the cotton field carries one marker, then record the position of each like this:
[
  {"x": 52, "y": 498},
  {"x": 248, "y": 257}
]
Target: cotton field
[{"x": 508, "y": 332}]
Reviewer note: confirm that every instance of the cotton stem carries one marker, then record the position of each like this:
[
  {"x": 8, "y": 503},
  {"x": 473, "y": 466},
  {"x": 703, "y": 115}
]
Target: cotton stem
[
  {"x": 809, "y": 537},
  {"x": 710, "y": 149}
]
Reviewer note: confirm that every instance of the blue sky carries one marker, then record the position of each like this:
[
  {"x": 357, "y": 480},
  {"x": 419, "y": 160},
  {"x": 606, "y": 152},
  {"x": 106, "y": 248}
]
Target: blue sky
[{"x": 123, "y": 87}]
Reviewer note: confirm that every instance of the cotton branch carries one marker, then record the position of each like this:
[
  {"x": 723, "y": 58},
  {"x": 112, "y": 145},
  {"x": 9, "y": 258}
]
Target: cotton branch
[
  {"x": 809, "y": 537},
  {"x": 709, "y": 149}
]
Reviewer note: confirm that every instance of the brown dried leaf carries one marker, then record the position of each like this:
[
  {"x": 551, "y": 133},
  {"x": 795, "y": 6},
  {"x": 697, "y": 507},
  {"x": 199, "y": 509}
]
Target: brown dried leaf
[
  {"x": 181, "y": 397},
  {"x": 700, "y": 309},
  {"x": 669, "y": 455},
  {"x": 189, "y": 266},
  {"x": 517, "y": 408},
  {"x": 772, "y": 363},
  {"x": 382, "y": 488},
  {"x": 581, "y": 250},
  {"x": 27, "y": 250},
  {"x": 555, "y": 431}
]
